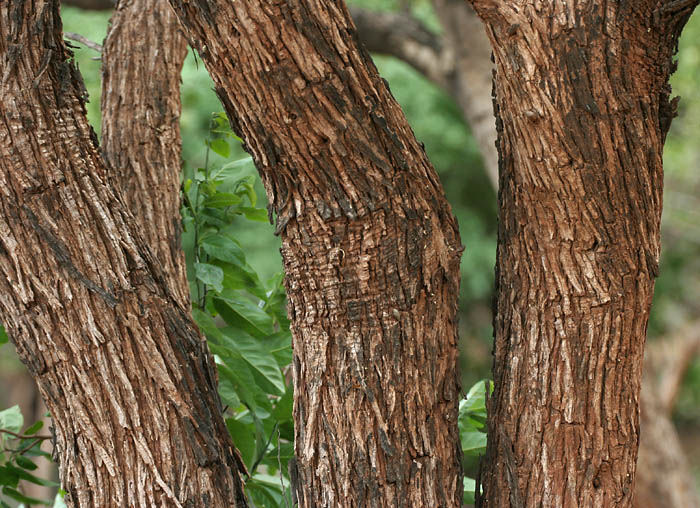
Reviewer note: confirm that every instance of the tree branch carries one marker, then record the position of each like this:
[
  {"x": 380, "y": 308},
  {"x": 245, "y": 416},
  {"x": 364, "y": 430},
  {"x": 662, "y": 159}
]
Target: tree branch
[
  {"x": 669, "y": 360},
  {"x": 401, "y": 35}
]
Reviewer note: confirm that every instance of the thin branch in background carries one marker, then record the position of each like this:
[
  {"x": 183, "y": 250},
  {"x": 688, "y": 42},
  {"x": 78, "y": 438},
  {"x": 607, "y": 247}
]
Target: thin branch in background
[
  {"x": 83, "y": 40},
  {"x": 279, "y": 464}
]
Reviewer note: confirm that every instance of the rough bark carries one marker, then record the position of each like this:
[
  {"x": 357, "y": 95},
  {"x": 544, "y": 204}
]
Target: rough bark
[
  {"x": 141, "y": 65},
  {"x": 582, "y": 113},
  {"x": 369, "y": 244},
  {"x": 119, "y": 363}
]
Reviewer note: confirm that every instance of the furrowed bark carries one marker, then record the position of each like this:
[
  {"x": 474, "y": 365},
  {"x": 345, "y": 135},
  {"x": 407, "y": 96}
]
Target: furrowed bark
[
  {"x": 141, "y": 65},
  {"x": 369, "y": 244},
  {"x": 120, "y": 365},
  {"x": 582, "y": 112}
]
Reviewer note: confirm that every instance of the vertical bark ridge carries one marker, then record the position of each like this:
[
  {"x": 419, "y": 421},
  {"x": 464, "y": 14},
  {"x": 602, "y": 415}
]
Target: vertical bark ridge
[
  {"x": 141, "y": 65},
  {"x": 582, "y": 112},
  {"x": 369, "y": 244},
  {"x": 120, "y": 364}
]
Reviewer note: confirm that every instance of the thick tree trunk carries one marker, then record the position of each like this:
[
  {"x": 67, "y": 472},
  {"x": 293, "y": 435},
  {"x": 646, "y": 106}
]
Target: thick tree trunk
[
  {"x": 370, "y": 248},
  {"x": 141, "y": 65},
  {"x": 582, "y": 114},
  {"x": 119, "y": 363}
]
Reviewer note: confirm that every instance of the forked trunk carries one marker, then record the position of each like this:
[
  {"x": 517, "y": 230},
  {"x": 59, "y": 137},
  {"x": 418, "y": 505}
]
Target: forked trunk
[
  {"x": 370, "y": 248},
  {"x": 121, "y": 366},
  {"x": 582, "y": 112}
]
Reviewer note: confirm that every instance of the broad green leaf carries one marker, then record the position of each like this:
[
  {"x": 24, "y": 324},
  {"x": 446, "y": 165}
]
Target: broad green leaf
[
  {"x": 244, "y": 316},
  {"x": 210, "y": 275},
  {"x": 473, "y": 442},
  {"x": 11, "y": 419},
  {"x": 220, "y": 146},
  {"x": 206, "y": 323},
  {"x": 3, "y": 336},
  {"x": 228, "y": 393},
  {"x": 469, "y": 489},
  {"x": 9, "y": 476},
  {"x": 256, "y": 214},
  {"x": 33, "y": 429},
  {"x": 238, "y": 372},
  {"x": 261, "y": 361},
  {"x": 283, "y": 408},
  {"x": 235, "y": 170},
  {"x": 243, "y": 436},
  {"x": 18, "y": 496},
  {"x": 25, "y": 463},
  {"x": 222, "y": 200},
  {"x": 23, "y": 475},
  {"x": 225, "y": 249}
]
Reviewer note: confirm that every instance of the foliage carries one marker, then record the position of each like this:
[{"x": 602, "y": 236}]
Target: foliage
[
  {"x": 18, "y": 451},
  {"x": 243, "y": 317},
  {"x": 472, "y": 428}
]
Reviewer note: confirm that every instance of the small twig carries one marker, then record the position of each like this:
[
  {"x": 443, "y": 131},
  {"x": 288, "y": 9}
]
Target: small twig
[
  {"x": 83, "y": 40},
  {"x": 23, "y": 436}
]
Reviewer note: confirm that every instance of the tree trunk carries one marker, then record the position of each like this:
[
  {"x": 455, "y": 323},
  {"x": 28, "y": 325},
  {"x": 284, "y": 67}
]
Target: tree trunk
[
  {"x": 369, "y": 244},
  {"x": 141, "y": 66},
  {"x": 583, "y": 110},
  {"x": 118, "y": 361}
]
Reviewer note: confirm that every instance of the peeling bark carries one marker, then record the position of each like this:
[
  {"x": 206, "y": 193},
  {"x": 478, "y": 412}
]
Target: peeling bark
[
  {"x": 119, "y": 363},
  {"x": 141, "y": 65},
  {"x": 370, "y": 249},
  {"x": 582, "y": 113}
]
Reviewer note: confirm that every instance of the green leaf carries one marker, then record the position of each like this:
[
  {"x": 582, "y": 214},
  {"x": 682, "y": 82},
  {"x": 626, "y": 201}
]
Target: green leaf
[
  {"x": 256, "y": 214},
  {"x": 238, "y": 372},
  {"x": 225, "y": 249},
  {"x": 36, "y": 427},
  {"x": 25, "y": 463},
  {"x": 210, "y": 275},
  {"x": 11, "y": 419},
  {"x": 220, "y": 146},
  {"x": 222, "y": 200},
  {"x": 243, "y": 437},
  {"x": 284, "y": 406},
  {"x": 9, "y": 476},
  {"x": 23, "y": 475},
  {"x": 3, "y": 336},
  {"x": 228, "y": 393},
  {"x": 244, "y": 316},
  {"x": 473, "y": 442},
  {"x": 18, "y": 496},
  {"x": 260, "y": 360},
  {"x": 469, "y": 489}
]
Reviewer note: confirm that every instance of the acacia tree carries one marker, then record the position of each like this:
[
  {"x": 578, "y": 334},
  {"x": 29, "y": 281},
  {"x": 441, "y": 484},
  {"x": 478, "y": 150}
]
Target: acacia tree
[
  {"x": 459, "y": 62},
  {"x": 322, "y": 326},
  {"x": 142, "y": 424},
  {"x": 117, "y": 359}
]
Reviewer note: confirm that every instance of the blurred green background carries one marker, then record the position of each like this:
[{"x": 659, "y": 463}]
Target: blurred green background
[{"x": 439, "y": 125}]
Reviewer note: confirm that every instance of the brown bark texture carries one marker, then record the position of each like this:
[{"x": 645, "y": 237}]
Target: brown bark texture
[
  {"x": 370, "y": 249},
  {"x": 141, "y": 64},
  {"x": 118, "y": 361},
  {"x": 582, "y": 103}
]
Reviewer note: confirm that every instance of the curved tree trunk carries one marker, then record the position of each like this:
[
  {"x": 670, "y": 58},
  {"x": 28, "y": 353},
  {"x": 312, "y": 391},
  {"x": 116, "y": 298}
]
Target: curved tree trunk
[
  {"x": 141, "y": 65},
  {"x": 583, "y": 111},
  {"x": 370, "y": 248},
  {"x": 120, "y": 365}
]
